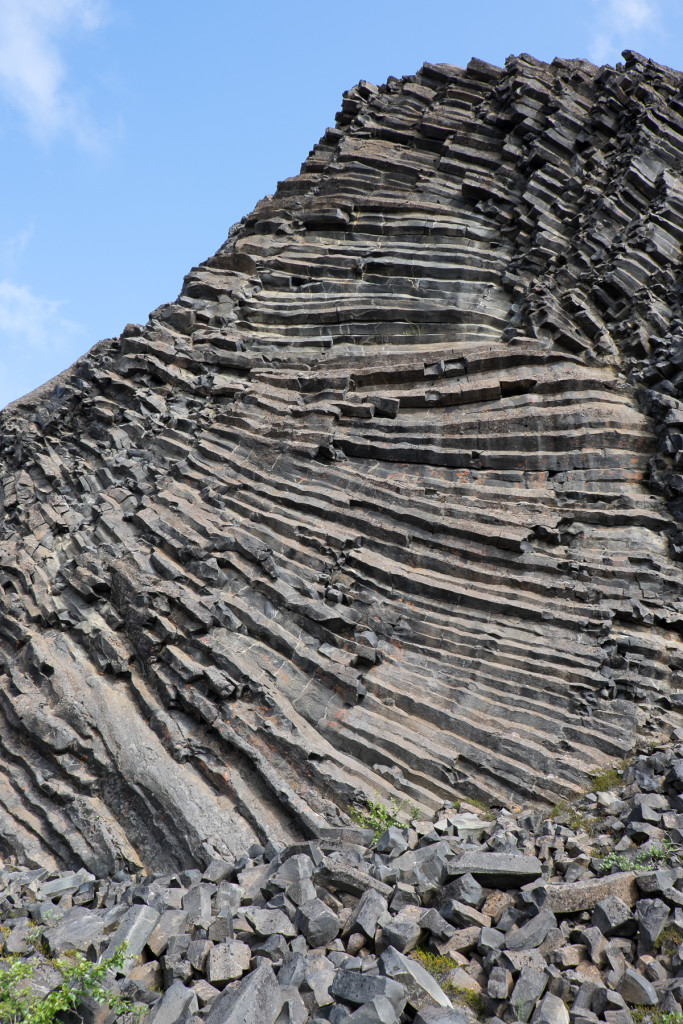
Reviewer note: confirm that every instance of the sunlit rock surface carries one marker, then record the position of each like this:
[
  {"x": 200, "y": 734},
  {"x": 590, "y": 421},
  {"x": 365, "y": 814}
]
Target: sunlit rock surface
[{"x": 385, "y": 503}]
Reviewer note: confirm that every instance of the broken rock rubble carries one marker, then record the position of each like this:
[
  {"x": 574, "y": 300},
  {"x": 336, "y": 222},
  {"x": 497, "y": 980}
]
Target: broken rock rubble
[{"x": 560, "y": 920}]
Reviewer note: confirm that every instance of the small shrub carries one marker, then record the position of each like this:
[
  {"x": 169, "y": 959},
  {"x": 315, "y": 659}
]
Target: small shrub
[
  {"x": 642, "y": 859},
  {"x": 81, "y": 978},
  {"x": 379, "y": 817}
]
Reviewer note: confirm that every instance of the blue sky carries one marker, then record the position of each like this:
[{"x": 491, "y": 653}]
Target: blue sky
[{"x": 135, "y": 132}]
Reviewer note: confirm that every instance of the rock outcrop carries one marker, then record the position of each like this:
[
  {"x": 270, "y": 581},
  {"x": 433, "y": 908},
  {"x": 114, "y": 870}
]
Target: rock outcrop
[{"x": 387, "y": 501}]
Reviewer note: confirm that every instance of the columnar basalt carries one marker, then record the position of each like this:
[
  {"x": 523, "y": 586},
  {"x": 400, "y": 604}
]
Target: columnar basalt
[{"x": 386, "y": 502}]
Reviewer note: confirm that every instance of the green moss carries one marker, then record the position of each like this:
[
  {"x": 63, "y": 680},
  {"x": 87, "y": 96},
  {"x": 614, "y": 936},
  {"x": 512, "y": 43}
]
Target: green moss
[
  {"x": 464, "y": 995},
  {"x": 437, "y": 965},
  {"x": 650, "y": 1015},
  {"x": 668, "y": 941},
  {"x": 601, "y": 782}
]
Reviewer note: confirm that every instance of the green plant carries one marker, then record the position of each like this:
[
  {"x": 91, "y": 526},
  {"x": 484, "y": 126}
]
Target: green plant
[
  {"x": 465, "y": 995},
  {"x": 582, "y": 822},
  {"x": 439, "y": 967},
  {"x": 644, "y": 859},
  {"x": 603, "y": 781},
  {"x": 668, "y": 941},
  {"x": 80, "y": 978},
  {"x": 379, "y": 817},
  {"x": 481, "y": 805},
  {"x": 648, "y": 1015}
]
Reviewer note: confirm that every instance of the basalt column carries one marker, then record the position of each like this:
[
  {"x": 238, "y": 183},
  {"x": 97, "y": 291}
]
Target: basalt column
[{"x": 386, "y": 502}]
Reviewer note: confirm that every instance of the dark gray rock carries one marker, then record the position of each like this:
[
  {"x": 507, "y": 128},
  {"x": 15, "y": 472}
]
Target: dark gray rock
[
  {"x": 529, "y": 987},
  {"x": 379, "y": 1011},
  {"x": 438, "y": 1015},
  {"x": 366, "y": 914},
  {"x": 270, "y": 922},
  {"x": 393, "y": 841},
  {"x": 466, "y": 889},
  {"x": 354, "y": 987},
  {"x": 613, "y": 917},
  {"x": 175, "y": 1002},
  {"x": 257, "y": 999},
  {"x": 227, "y": 961},
  {"x": 317, "y": 922},
  {"x": 652, "y": 916},
  {"x": 402, "y": 934},
  {"x": 532, "y": 933},
  {"x": 135, "y": 929},
  {"x": 636, "y": 989},
  {"x": 79, "y": 929},
  {"x": 499, "y": 870}
]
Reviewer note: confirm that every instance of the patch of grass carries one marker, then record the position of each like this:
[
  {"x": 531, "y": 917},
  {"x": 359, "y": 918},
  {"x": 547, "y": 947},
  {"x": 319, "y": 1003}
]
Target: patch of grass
[
  {"x": 481, "y": 805},
  {"x": 379, "y": 817},
  {"x": 464, "y": 995},
  {"x": 668, "y": 941},
  {"x": 651, "y": 1015},
  {"x": 557, "y": 809},
  {"x": 439, "y": 967},
  {"x": 582, "y": 822},
  {"x": 576, "y": 821},
  {"x": 601, "y": 782}
]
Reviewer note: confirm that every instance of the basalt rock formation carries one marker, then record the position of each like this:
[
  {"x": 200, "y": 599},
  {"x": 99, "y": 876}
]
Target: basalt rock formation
[{"x": 386, "y": 502}]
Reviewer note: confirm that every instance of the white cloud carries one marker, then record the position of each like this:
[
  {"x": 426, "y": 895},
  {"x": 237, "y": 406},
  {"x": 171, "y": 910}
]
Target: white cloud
[
  {"x": 617, "y": 25},
  {"x": 32, "y": 70},
  {"x": 30, "y": 322},
  {"x": 36, "y": 340},
  {"x": 13, "y": 247}
]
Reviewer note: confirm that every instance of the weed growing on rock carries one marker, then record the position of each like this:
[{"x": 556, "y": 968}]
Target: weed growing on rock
[
  {"x": 379, "y": 817},
  {"x": 80, "y": 978},
  {"x": 465, "y": 995},
  {"x": 648, "y": 1015},
  {"x": 601, "y": 782},
  {"x": 654, "y": 857},
  {"x": 668, "y": 941},
  {"x": 439, "y": 967}
]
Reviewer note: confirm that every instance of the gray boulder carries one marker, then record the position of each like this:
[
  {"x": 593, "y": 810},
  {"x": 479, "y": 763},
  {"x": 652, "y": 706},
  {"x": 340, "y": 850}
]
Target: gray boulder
[
  {"x": 317, "y": 922},
  {"x": 257, "y": 999}
]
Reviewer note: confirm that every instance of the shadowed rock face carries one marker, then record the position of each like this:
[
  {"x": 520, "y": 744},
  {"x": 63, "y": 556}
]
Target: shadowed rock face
[{"x": 384, "y": 503}]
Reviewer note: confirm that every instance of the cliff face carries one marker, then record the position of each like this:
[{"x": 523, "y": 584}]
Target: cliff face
[{"x": 385, "y": 503}]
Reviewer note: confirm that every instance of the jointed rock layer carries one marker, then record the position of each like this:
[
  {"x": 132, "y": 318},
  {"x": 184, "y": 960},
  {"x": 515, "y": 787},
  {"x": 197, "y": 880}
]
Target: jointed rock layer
[{"x": 387, "y": 500}]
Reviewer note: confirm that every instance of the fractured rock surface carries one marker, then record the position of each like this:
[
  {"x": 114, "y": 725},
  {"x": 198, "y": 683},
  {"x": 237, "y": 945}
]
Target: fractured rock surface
[{"x": 386, "y": 502}]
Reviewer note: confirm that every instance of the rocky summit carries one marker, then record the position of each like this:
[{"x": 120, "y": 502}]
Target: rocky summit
[{"x": 386, "y": 505}]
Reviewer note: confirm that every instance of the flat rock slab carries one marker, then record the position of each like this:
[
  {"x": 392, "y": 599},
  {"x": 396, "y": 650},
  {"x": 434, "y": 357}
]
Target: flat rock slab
[
  {"x": 571, "y": 897},
  {"x": 497, "y": 870}
]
